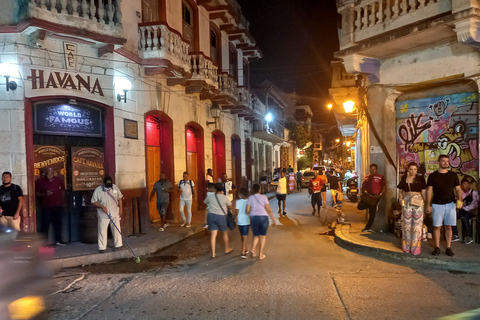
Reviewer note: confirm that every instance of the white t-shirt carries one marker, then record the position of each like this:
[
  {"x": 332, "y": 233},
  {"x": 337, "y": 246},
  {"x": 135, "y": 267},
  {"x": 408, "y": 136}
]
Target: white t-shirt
[
  {"x": 282, "y": 185},
  {"x": 242, "y": 217},
  {"x": 186, "y": 189}
]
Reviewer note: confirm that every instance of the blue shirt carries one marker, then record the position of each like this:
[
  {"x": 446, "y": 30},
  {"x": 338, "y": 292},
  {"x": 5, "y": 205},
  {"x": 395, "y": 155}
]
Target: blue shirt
[{"x": 242, "y": 217}]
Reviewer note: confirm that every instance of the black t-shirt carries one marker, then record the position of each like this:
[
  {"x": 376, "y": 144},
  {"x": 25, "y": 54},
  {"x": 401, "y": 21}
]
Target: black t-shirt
[
  {"x": 333, "y": 180},
  {"x": 417, "y": 185},
  {"x": 443, "y": 186},
  {"x": 9, "y": 199}
]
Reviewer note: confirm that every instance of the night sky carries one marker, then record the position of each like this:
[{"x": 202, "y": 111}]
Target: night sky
[{"x": 298, "y": 39}]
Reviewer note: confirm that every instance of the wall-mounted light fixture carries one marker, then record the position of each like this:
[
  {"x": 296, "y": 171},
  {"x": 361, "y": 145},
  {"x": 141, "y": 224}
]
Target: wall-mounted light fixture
[
  {"x": 122, "y": 84},
  {"x": 214, "y": 113},
  {"x": 349, "y": 104},
  {"x": 8, "y": 70}
]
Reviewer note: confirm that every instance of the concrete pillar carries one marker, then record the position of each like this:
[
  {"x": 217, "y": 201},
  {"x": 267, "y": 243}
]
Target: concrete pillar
[{"x": 381, "y": 106}]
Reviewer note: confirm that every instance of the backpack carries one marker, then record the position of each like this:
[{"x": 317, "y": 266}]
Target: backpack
[{"x": 191, "y": 186}]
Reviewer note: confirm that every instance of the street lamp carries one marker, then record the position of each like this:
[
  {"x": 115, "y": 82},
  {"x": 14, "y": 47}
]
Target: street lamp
[
  {"x": 122, "y": 85},
  {"x": 329, "y": 106},
  {"x": 8, "y": 70},
  {"x": 268, "y": 117},
  {"x": 349, "y": 104},
  {"x": 337, "y": 140},
  {"x": 214, "y": 113}
]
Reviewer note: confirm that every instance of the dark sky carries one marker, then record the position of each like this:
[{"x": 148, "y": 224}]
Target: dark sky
[{"x": 298, "y": 39}]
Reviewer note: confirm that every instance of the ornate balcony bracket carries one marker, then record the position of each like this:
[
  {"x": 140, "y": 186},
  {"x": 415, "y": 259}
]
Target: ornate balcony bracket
[
  {"x": 468, "y": 31},
  {"x": 357, "y": 63}
]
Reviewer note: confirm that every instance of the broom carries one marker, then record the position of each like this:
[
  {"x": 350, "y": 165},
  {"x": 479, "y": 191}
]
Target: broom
[{"x": 137, "y": 258}]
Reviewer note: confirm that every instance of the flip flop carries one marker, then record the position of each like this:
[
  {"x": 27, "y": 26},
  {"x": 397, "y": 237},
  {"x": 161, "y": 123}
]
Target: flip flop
[
  {"x": 261, "y": 257},
  {"x": 231, "y": 250}
]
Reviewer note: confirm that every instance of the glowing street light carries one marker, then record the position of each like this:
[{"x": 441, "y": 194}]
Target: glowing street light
[
  {"x": 329, "y": 106},
  {"x": 348, "y": 106},
  {"x": 337, "y": 140},
  {"x": 268, "y": 117},
  {"x": 348, "y": 143}
]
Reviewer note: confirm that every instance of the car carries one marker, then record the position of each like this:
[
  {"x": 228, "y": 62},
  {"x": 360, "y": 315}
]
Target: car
[
  {"x": 307, "y": 176},
  {"x": 319, "y": 168}
]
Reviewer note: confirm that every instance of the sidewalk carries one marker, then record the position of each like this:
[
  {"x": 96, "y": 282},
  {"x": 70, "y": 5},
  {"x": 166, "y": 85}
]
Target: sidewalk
[
  {"x": 77, "y": 254},
  {"x": 387, "y": 247}
]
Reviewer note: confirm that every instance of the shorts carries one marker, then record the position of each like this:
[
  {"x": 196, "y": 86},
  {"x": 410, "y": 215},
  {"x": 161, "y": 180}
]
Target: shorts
[
  {"x": 263, "y": 182},
  {"x": 217, "y": 222},
  {"x": 162, "y": 208},
  {"x": 281, "y": 196},
  {"x": 337, "y": 195},
  {"x": 244, "y": 230},
  {"x": 444, "y": 214},
  {"x": 259, "y": 225},
  {"x": 317, "y": 199}
]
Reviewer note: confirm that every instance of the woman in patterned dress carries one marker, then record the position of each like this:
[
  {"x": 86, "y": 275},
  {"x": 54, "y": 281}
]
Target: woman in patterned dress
[{"x": 412, "y": 185}]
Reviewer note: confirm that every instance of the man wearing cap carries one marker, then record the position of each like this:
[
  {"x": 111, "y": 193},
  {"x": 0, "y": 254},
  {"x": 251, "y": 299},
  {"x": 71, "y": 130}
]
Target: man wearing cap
[{"x": 108, "y": 199}]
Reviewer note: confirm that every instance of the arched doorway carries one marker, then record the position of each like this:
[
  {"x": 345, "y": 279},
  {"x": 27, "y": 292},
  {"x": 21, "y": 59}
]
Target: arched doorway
[
  {"x": 159, "y": 152},
  {"x": 196, "y": 161},
  {"x": 236, "y": 161},
  {"x": 218, "y": 147},
  {"x": 248, "y": 162}
]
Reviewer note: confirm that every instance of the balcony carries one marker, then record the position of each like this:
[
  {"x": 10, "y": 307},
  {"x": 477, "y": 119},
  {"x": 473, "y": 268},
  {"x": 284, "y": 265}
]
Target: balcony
[
  {"x": 244, "y": 106},
  {"x": 204, "y": 78},
  {"x": 381, "y": 27},
  {"x": 272, "y": 131},
  {"x": 228, "y": 90},
  {"x": 166, "y": 47},
  {"x": 92, "y": 19}
]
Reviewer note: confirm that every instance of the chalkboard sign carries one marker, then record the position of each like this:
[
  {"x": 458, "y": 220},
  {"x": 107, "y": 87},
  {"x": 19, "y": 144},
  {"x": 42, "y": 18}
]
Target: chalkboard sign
[
  {"x": 87, "y": 168},
  {"x": 66, "y": 119}
]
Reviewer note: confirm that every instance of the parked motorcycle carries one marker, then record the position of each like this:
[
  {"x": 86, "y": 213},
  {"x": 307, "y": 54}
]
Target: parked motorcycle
[{"x": 352, "y": 190}]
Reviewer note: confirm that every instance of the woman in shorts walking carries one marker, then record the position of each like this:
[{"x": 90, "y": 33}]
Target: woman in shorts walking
[{"x": 259, "y": 209}]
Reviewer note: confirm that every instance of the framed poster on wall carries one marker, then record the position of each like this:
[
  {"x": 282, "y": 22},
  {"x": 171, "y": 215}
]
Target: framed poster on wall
[
  {"x": 87, "y": 168},
  {"x": 45, "y": 157}
]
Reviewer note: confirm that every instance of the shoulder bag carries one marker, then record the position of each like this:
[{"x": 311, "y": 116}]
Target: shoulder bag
[
  {"x": 415, "y": 200},
  {"x": 231, "y": 224},
  {"x": 368, "y": 199}
]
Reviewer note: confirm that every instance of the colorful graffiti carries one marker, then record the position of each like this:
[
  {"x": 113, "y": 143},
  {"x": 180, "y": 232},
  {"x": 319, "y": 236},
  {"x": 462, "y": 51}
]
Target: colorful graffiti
[{"x": 447, "y": 125}]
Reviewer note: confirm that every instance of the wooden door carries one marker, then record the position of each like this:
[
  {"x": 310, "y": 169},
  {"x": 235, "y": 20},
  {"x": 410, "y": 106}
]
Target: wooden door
[
  {"x": 153, "y": 174},
  {"x": 192, "y": 169}
]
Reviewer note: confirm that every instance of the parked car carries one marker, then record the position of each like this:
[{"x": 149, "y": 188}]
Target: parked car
[
  {"x": 319, "y": 168},
  {"x": 307, "y": 176}
]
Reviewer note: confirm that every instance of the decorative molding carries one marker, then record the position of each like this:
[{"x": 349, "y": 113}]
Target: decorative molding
[
  {"x": 360, "y": 64},
  {"x": 468, "y": 32}
]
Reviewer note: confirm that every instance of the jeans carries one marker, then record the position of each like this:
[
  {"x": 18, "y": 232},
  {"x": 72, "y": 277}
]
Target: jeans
[
  {"x": 465, "y": 216},
  {"x": 52, "y": 214},
  {"x": 188, "y": 204},
  {"x": 372, "y": 210}
]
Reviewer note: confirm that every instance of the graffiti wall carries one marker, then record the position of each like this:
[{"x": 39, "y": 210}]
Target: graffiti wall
[{"x": 447, "y": 125}]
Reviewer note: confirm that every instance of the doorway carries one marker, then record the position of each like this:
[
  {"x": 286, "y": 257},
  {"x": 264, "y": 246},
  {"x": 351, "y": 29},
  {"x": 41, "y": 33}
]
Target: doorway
[
  {"x": 159, "y": 154},
  {"x": 248, "y": 162},
  {"x": 218, "y": 146},
  {"x": 236, "y": 161},
  {"x": 196, "y": 162}
]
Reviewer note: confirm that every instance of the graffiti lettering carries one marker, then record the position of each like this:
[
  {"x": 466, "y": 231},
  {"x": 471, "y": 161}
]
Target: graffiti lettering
[{"x": 412, "y": 130}]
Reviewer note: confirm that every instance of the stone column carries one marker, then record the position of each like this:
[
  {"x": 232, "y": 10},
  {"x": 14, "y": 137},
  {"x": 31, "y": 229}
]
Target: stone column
[{"x": 381, "y": 106}]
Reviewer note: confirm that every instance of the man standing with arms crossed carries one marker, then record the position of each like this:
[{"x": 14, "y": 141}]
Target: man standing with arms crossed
[
  {"x": 11, "y": 198},
  {"x": 441, "y": 188}
]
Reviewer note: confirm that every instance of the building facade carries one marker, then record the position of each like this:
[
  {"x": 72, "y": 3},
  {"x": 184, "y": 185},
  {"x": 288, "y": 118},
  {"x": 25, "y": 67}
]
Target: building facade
[
  {"x": 127, "y": 89},
  {"x": 415, "y": 88}
]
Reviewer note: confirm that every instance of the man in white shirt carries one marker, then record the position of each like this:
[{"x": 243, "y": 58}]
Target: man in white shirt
[
  {"x": 186, "y": 188},
  {"x": 229, "y": 187},
  {"x": 209, "y": 177},
  {"x": 107, "y": 198},
  {"x": 282, "y": 193}
]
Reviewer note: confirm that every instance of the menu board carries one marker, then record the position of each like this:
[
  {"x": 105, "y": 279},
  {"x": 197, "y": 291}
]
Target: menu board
[
  {"x": 87, "y": 168},
  {"x": 45, "y": 157}
]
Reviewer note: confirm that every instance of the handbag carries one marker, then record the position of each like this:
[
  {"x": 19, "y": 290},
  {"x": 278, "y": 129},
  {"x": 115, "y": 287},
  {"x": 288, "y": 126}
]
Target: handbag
[
  {"x": 416, "y": 200},
  {"x": 368, "y": 199},
  {"x": 231, "y": 224}
]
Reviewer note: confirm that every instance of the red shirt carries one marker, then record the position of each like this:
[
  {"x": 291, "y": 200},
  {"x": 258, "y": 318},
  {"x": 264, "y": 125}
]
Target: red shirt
[
  {"x": 317, "y": 183},
  {"x": 373, "y": 183},
  {"x": 56, "y": 186}
]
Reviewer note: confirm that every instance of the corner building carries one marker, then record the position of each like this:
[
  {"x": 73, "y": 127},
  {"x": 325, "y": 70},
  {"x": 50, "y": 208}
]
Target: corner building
[{"x": 127, "y": 89}]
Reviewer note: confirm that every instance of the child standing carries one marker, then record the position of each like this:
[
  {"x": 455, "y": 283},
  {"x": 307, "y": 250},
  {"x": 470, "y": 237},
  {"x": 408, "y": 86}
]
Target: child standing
[{"x": 243, "y": 220}]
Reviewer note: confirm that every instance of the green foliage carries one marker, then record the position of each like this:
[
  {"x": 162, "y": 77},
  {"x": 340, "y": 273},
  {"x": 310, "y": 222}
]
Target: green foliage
[
  {"x": 299, "y": 133},
  {"x": 306, "y": 161}
]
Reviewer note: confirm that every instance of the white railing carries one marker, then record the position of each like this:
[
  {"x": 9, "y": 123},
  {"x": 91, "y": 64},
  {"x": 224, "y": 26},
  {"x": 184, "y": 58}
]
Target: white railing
[
  {"x": 158, "y": 41},
  {"x": 204, "y": 69},
  {"x": 227, "y": 85},
  {"x": 374, "y": 12},
  {"x": 105, "y": 12}
]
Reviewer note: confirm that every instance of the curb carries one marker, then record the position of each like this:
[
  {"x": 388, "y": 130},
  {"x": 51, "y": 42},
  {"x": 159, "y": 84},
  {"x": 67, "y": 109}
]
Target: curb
[
  {"x": 455, "y": 265},
  {"x": 124, "y": 253}
]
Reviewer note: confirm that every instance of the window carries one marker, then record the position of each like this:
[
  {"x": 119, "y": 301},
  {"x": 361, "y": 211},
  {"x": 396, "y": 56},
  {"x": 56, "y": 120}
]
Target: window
[
  {"x": 150, "y": 11},
  {"x": 214, "y": 47},
  {"x": 188, "y": 26},
  {"x": 187, "y": 15},
  {"x": 232, "y": 66}
]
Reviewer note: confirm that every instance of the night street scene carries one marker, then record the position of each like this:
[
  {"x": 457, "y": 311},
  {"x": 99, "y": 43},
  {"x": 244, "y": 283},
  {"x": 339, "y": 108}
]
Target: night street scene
[{"x": 239, "y": 159}]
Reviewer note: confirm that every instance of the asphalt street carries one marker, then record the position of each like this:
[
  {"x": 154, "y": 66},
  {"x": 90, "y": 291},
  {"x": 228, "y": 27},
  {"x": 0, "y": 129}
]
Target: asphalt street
[{"x": 305, "y": 275}]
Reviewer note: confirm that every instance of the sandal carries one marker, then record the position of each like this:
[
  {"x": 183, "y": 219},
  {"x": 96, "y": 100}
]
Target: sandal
[
  {"x": 229, "y": 251},
  {"x": 261, "y": 257},
  {"x": 254, "y": 255}
]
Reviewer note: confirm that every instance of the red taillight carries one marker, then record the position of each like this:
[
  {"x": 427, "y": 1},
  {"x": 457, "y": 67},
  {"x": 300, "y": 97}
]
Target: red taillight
[{"x": 303, "y": 179}]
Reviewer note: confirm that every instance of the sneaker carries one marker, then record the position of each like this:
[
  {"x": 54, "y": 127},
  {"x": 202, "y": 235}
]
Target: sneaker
[
  {"x": 335, "y": 206},
  {"x": 188, "y": 225},
  {"x": 102, "y": 251},
  {"x": 161, "y": 229},
  {"x": 165, "y": 225},
  {"x": 284, "y": 213},
  {"x": 183, "y": 224},
  {"x": 436, "y": 251},
  {"x": 62, "y": 244},
  {"x": 455, "y": 238},
  {"x": 117, "y": 248},
  {"x": 244, "y": 256},
  {"x": 468, "y": 240},
  {"x": 449, "y": 252},
  {"x": 205, "y": 226}
]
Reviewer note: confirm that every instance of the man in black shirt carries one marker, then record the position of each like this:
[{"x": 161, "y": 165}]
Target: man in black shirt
[
  {"x": 11, "y": 197},
  {"x": 441, "y": 186},
  {"x": 335, "y": 187}
]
